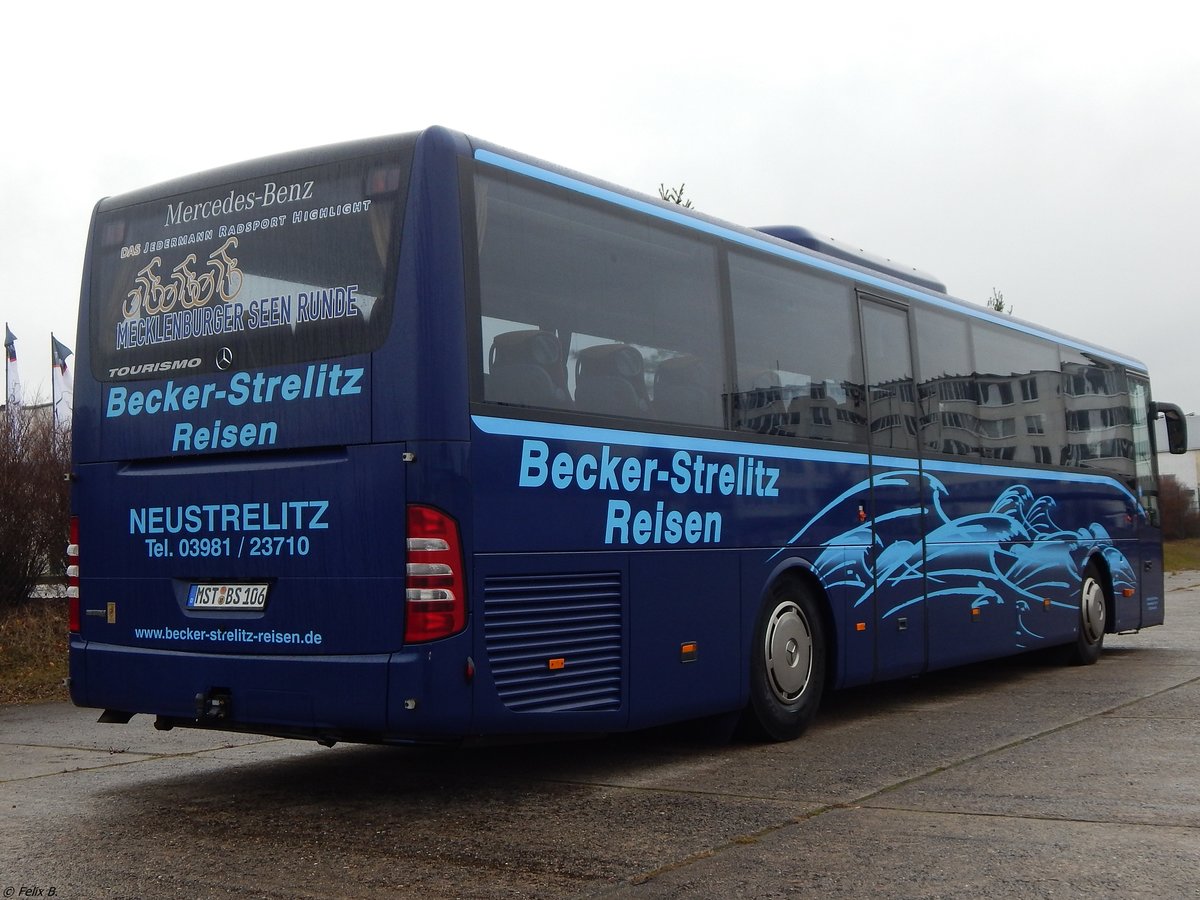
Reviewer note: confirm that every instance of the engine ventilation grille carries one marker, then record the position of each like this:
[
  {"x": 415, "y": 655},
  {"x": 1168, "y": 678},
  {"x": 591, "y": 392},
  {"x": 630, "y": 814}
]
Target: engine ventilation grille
[{"x": 554, "y": 641}]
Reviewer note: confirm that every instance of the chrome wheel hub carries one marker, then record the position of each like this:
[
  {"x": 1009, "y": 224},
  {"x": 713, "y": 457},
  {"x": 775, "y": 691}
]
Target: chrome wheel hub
[
  {"x": 1092, "y": 611},
  {"x": 788, "y": 651}
]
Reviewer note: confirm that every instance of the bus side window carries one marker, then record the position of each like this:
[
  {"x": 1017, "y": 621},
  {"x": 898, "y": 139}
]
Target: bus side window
[
  {"x": 1098, "y": 426},
  {"x": 947, "y": 385},
  {"x": 792, "y": 329}
]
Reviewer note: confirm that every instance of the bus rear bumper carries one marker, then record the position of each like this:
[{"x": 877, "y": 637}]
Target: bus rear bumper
[{"x": 324, "y": 698}]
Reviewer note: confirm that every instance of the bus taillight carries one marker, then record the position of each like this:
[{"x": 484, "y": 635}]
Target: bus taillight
[
  {"x": 73, "y": 577},
  {"x": 435, "y": 592}
]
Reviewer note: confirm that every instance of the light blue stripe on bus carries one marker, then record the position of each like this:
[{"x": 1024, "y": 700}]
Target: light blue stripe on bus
[
  {"x": 556, "y": 432},
  {"x": 591, "y": 190},
  {"x": 587, "y": 434}
]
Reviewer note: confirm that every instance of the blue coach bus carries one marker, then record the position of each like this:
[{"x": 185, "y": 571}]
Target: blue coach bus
[{"x": 419, "y": 439}]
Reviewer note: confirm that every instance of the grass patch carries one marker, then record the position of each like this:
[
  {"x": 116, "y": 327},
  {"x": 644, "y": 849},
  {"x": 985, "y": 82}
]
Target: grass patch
[
  {"x": 1182, "y": 556},
  {"x": 33, "y": 651}
]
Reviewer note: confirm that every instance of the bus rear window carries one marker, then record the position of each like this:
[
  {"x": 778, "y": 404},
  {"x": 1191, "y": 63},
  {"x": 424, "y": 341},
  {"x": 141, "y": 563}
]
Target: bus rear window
[{"x": 266, "y": 271}]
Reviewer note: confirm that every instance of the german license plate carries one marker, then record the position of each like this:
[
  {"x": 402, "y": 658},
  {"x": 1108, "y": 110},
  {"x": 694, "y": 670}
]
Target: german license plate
[{"x": 227, "y": 596}]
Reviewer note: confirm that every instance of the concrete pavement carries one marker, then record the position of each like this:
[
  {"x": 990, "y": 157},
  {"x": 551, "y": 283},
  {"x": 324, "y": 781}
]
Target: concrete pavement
[{"x": 1020, "y": 778}]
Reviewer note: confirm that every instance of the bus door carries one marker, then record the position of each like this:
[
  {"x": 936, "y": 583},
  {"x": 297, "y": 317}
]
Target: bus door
[
  {"x": 896, "y": 512},
  {"x": 1147, "y": 560}
]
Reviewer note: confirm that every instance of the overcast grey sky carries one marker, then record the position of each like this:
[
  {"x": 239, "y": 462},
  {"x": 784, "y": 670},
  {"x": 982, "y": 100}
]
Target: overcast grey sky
[{"x": 1047, "y": 150}]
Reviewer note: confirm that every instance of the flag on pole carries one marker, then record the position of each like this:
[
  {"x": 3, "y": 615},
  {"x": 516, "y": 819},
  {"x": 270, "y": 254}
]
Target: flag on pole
[
  {"x": 62, "y": 382},
  {"x": 14, "y": 384},
  {"x": 14, "y": 380}
]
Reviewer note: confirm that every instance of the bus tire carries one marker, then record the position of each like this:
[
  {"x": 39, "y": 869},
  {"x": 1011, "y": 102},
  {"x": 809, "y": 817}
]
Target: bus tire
[
  {"x": 1093, "y": 618},
  {"x": 787, "y": 663}
]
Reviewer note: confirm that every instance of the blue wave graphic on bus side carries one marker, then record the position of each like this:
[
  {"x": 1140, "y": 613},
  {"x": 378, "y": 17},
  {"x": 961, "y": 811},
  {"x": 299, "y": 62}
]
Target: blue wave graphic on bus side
[{"x": 1013, "y": 552}]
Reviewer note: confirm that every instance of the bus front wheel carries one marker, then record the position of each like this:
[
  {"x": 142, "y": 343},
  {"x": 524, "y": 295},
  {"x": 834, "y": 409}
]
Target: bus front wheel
[
  {"x": 787, "y": 667},
  {"x": 1093, "y": 617}
]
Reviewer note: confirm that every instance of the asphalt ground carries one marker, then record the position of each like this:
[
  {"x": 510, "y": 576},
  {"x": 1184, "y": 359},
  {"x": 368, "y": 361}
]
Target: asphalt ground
[{"x": 1021, "y": 778}]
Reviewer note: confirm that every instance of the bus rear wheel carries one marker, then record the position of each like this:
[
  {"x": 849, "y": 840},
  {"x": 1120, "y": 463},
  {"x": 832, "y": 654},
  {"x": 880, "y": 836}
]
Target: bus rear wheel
[
  {"x": 1093, "y": 618},
  {"x": 787, "y": 665}
]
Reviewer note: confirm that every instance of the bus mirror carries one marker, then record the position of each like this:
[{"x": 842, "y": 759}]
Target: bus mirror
[{"x": 1176, "y": 425}]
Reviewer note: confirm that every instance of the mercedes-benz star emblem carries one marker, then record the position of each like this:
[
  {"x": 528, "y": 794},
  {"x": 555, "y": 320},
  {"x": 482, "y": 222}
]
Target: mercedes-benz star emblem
[{"x": 224, "y": 358}]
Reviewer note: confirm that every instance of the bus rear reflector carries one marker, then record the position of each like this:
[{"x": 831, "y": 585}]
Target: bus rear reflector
[
  {"x": 435, "y": 597},
  {"x": 73, "y": 577}
]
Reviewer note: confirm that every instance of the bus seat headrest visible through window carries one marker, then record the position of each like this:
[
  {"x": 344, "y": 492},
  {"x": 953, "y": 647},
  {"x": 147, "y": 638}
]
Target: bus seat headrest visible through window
[
  {"x": 611, "y": 379},
  {"x": 526, "y": 368}
]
